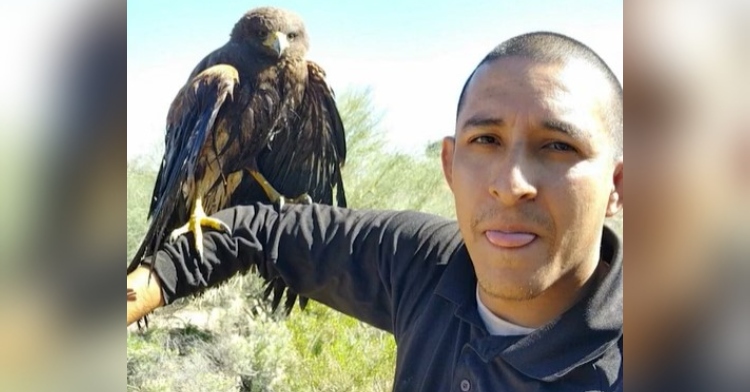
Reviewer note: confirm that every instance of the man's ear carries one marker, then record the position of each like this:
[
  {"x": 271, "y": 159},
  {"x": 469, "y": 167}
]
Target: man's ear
[
  {"x": 614, "y": 205},
  {"x": 446, "y": 155}
]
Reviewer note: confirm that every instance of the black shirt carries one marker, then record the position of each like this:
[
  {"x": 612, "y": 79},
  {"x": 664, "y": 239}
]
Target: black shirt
[{"x": 409, "y": 273}]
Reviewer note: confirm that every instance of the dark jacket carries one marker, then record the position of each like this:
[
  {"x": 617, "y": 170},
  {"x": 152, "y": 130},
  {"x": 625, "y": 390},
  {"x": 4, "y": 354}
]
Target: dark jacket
[{"x": 410, "y": 274}]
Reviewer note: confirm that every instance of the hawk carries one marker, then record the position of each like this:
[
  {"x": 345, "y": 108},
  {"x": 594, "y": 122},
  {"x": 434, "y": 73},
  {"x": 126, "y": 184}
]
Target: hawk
[{"x": 255, "y": 122}]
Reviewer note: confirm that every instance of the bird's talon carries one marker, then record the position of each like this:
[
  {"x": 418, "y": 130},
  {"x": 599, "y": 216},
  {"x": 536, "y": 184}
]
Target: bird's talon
[
  {"x": 195, "y": 225},
  {"x": 214, "y": 224},
  {"x": 304, "y": 199},
  {"x": 225, "y": 228},
  {"x": 178, "y": 232}
]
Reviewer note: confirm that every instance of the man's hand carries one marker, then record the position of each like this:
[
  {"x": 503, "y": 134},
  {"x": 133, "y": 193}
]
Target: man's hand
[{"x": 144, "y": 294}]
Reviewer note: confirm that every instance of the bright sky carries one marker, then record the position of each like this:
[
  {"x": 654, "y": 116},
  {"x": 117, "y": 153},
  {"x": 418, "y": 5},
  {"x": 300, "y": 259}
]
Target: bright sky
[{"x": 413, "y": 55}]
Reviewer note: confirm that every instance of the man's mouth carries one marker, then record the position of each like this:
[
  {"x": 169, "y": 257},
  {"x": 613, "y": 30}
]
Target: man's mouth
[{"x": 505, "y": 239}]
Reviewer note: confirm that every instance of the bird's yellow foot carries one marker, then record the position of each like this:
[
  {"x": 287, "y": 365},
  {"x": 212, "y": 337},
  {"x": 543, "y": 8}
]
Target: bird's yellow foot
[
  {"x": 302, "y": 199},
  {"x": 195, "y": 225}
]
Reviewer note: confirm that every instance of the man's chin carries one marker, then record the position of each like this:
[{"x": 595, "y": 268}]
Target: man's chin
[{"x": 507, "y": 291}]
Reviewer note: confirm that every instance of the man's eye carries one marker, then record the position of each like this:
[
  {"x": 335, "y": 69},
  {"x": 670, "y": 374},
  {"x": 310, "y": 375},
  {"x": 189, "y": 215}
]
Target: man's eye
[
  {"x": 484, "y": 139},
  {"x": 560, "y": 146}
]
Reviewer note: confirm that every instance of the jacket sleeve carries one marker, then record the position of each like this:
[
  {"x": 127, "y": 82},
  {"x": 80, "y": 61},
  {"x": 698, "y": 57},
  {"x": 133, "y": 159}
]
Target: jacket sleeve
[{"x": 368, "y": 264}]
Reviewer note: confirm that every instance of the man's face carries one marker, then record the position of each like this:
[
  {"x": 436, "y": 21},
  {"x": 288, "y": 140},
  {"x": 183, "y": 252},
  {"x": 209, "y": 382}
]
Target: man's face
[{"x": 533, "y": 172}]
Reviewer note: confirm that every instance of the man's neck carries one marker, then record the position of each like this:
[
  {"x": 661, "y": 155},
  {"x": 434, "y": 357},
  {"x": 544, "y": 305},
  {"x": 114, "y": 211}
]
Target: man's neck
[{"x": 553, "y": 302}]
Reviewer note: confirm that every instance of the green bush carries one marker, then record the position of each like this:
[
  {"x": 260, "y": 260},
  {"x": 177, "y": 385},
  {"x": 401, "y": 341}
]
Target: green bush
[{"x": 141, "y": 180}]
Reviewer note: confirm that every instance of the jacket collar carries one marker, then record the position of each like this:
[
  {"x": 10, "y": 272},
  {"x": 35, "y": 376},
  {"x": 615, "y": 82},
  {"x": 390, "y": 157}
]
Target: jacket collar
[{"x": 583, "y": 333}]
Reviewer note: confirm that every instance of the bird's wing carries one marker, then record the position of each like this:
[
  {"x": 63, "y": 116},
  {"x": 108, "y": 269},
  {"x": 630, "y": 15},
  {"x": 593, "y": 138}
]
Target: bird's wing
[
  {"x": 319, "y": 89},
  {"x": 191, "y": 117},
  {"x": 319, "y": 111},
  {"x": 319, "y": 120}
]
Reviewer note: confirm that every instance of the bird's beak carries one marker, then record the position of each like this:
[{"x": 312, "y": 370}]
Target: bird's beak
[{"x": 278, "y": 42}]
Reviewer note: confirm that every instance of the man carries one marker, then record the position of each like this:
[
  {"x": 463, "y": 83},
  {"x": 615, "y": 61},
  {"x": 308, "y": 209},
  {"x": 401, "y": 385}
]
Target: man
[{"x": 523, "y": 292}]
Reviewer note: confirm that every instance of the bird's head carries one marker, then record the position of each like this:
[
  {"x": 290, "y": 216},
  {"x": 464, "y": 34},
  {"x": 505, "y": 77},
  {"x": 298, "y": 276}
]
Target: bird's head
[{"x": 275, "y": 32}]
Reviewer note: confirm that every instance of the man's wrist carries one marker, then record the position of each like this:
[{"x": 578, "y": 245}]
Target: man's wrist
[{"x": 144, "y": 294}]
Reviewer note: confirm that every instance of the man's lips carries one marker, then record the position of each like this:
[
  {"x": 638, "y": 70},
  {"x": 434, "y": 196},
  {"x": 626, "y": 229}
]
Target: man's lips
[{"x": 506, "y": 239}]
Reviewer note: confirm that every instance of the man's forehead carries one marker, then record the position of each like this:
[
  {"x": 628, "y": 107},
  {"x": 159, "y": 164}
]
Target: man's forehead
[
  {"x": 514, "y": 69},
  {"x": 573, "y": 76},
  {"x": 554, "y": 91}
]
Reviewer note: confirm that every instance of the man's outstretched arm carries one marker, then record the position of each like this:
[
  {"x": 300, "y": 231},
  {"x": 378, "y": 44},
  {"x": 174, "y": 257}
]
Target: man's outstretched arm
[{"x": 357, "y": 262}]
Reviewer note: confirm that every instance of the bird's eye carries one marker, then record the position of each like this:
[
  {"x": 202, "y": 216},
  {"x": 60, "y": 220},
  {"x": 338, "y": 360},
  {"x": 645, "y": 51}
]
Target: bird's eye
[
  {"x": 262, "y": 34},
  {"x": 291, "y": 36}
]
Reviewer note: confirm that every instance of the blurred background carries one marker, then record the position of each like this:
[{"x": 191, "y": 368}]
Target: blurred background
[
  {"x": 62, "y": 166},
  {"x": 687, "y": 314}
]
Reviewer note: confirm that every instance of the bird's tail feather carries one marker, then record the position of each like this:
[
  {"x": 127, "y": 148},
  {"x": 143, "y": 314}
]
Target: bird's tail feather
[{"x": 340, "y": 194}]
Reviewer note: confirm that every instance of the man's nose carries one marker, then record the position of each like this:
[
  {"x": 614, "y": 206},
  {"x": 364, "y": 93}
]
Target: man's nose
[{"x": 512, "y": 180}]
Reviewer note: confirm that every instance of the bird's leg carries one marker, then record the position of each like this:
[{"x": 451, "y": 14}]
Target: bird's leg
[
  {"x": 273, "y": 195},
  {"x": 199, "y": 219}
]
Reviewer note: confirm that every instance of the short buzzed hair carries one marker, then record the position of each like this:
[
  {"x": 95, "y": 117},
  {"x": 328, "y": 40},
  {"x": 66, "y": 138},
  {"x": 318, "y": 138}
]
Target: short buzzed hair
[{"x": 547, "y": 47}]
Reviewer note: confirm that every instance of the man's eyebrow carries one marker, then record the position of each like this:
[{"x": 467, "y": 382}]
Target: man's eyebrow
[
  {"x": 483, "y": 122},
  {"x": 564, "y": 127},
  {"x": 549, "y": 124}
]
